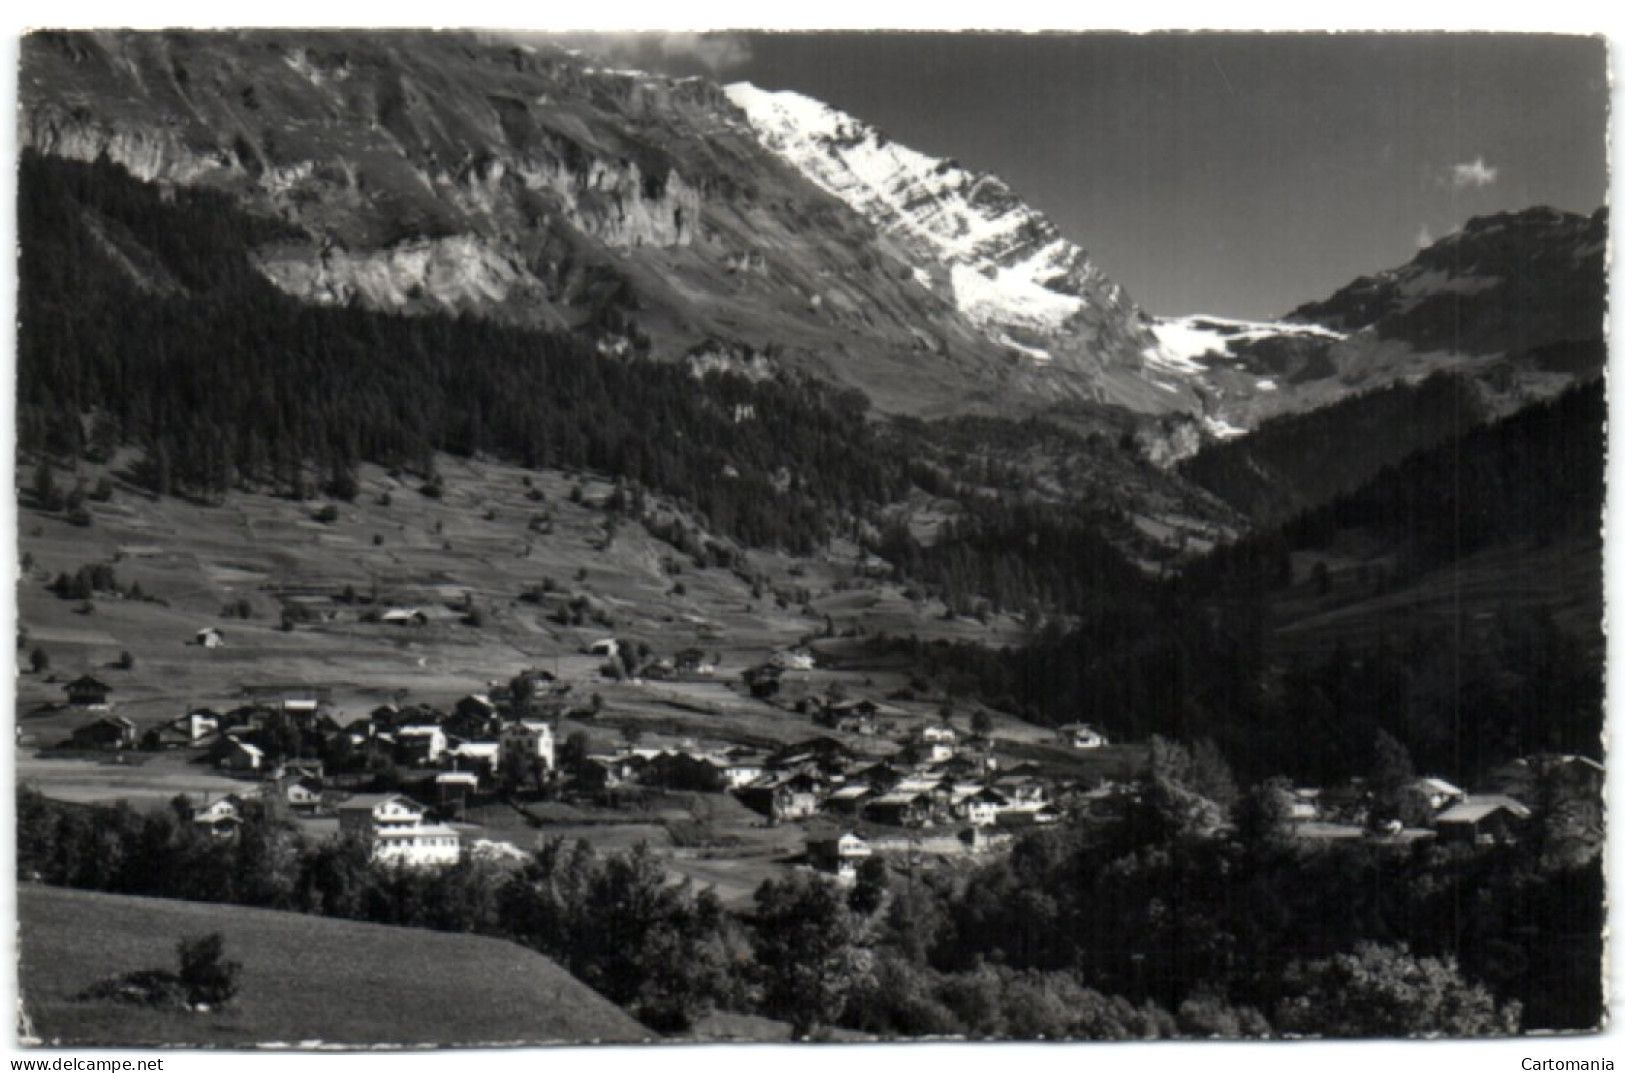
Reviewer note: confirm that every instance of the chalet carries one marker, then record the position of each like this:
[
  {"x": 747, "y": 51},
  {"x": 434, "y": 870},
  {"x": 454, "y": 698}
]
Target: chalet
[
  {"x": 107, "y": 732},
  {"x": 965, "y": 764},
  {"x": 1081, "y": 736},
  {"x": 420, "y": 745},
  {"x": 170, "y": 735},
  {"x": 852, "y": 716},
  {"x": 403, "y": 616},
  {"x": 1303, "y": 805},
  {"x": 244, "y": 717},
  {"x": 981, "y": 806},
  {"x": 393, "y": 827},
  {"x": 739, "y": 771},
  {"x": 201, "y": 722},
  {"x": 87, "y": 692},
  {"x": 361, "y": 813},
  {"x": 839, "y": 856},
  {"x": 475, "y": 705},
  {"x": 222, "y": 818},
  {"x": 927, "y": 754},
  {"x": 1528, "y": 778},
  {"x": 1482, "y": 818},
  {"x": 1023, "y": 789},
  {"x": 1438, "y": 793},
  {"x": 303, "y": 767},
  {"x": 302, "y": 710},
  {"x": 454, "y": 787},
  {"x": 823, "y": 753},
  {"x": 476, "y": 756},
  {"x": 603, "y": 772},
  {"x": 303, "y": 794},
  {"x": 936, "y": 734},
  {"x": 606, "y": 648},
  {"x": 901, "y": 808},
  {"x": 850, "y": 799},
  {"x": 475, "y": 708},
  {"x": 792, "y": 798},
  {"x": 881, "y": 775},
  {"x": 469, "y": 726},
  {"x": 526, "y": 743},
  {"x": 237, "y": 755},
  {"x": 209, "y": 637}
]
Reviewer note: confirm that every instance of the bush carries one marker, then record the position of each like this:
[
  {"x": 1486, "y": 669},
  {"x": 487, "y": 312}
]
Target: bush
[
  {"x": 206, "y": 976},
  {"x": 327, "y": 514},
  {"x": 205, "y": 979},
  {"x": 238, "y": 608}
]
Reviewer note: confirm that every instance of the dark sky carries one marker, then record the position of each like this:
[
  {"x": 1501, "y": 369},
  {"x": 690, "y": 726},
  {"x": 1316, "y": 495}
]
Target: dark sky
[{"x": 1226, "y": 173}]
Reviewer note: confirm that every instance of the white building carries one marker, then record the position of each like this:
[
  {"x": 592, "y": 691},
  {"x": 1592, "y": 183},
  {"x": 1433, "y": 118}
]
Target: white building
[
  {"x": 393, "y": 826},
  {"x": 525, "y": 742},
  {"x": 201, "y": 723},
  {"x": 1082, "y": 736},
  {"x": 841, "y": 857},
  {"x": 471, "y": 755}
]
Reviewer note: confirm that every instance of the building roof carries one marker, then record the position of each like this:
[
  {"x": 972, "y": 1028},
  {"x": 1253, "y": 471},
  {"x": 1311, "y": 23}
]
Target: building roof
[
  {"x": 110, "y": 720},
  {"x": 1479, "y": 806},
  {"x": 895, "y": 798},
  {"x": 430, "y": 829},
  {"x": 372, "y": 801}
]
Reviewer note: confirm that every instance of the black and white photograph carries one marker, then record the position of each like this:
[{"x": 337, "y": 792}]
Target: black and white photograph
[{"x": 530, "y": 538}]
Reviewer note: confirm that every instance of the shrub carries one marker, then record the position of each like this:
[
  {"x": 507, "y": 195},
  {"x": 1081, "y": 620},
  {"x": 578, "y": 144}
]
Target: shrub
[{"x": 206, "y": 976}]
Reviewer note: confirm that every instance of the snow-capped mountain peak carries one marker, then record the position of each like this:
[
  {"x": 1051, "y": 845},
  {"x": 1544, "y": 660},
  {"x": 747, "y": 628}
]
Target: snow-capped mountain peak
[{"x": 1001, "y": 263}]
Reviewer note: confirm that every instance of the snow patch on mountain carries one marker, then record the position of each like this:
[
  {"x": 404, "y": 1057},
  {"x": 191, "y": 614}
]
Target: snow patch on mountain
[
  {"x": 1008, "y": 266},
  {"x": 1183, "y": 342}
]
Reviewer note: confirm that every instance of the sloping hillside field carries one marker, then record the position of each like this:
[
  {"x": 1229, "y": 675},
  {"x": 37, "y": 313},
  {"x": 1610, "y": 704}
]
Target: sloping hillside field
[{"x": 306, "y": 981}]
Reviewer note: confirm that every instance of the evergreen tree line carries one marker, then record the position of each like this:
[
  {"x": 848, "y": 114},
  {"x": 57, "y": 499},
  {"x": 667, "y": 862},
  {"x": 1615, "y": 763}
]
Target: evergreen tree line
[
  {"x": 1195, "y": 656},
  {"x": 224, "y": 382},
  {"x": 144, "y": 323}
]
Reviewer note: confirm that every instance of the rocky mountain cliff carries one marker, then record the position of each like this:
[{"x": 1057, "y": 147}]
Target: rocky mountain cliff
[
  {"x": 1512, "y": 302},
  {"x": 419, "y": 172},
  {"x": 753, "y": 230}
]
